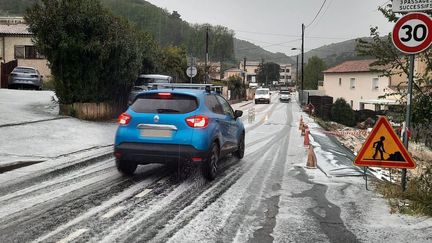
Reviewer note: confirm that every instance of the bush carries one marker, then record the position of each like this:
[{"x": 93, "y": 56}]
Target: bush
[
  {"x": 342, "y": 113},
  {"x": 415, "y": 200},
  {"x": 94, "y": 56},
  {"x": 235, "y": 84},
  {"x": 48, "y": 84}
]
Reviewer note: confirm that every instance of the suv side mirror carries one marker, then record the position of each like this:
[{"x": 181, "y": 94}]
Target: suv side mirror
[{"x": 237, "y": 114}]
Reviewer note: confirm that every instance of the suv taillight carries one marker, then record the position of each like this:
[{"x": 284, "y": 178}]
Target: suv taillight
[
  {"x": 124, "y": 119},
  {"x": 198, "y": 121}
]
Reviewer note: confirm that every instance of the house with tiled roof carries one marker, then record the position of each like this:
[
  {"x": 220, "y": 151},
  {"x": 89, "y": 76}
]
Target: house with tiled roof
[
  {"x": 17, "y": 48},
  {"x": 232, "y": 72},
  {"x": 359, "y": 84}
]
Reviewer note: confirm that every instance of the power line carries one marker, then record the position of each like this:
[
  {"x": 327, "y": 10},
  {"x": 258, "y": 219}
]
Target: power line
[
  {"x": 319, "y": 11},
  {"x": 322, "y": 15},
  {"x": 265, "y": 42},
  {"x": 276, "y": 44},
  {"x": 296, "y": 36}
]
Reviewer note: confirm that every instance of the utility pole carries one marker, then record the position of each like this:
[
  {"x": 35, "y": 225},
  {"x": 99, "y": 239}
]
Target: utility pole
[
  {"x": 408, "y": 116},
  {"x": 244, "y": 76},
  {"x": 191, "y": 65},
  {"x": 206, "y": 56},
  {"x": 302, "y": 62},
  {"x": 297, "y": 71}
]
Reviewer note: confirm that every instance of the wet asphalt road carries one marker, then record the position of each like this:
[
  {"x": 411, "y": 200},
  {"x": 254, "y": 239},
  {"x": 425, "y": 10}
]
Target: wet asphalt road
[{"x": 92, "y": 202}]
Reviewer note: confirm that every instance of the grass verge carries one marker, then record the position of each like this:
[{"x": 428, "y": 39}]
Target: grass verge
[{"x": 416, "y": 200}]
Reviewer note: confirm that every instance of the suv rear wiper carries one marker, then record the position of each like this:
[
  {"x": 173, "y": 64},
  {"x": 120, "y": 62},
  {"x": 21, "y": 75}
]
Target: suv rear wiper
[{"x": 167, "y": 111}]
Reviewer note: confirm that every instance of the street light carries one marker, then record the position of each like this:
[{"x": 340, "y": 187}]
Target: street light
[{"x": 297, "y": 76}]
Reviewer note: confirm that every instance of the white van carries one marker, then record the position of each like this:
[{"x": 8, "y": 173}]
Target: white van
[{"x": 262, "y": 95}]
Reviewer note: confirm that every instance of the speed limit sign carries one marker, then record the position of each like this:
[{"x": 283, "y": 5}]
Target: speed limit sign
[{"x": 413, "y": 33}]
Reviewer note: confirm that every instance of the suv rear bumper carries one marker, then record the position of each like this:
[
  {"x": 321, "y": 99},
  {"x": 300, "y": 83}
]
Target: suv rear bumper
[{"x": 145, "y": 153}]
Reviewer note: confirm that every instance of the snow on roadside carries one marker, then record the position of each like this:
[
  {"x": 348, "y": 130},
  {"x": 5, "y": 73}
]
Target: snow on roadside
[
  {"x": 18, "y": 106},
  {"x": 49, "y": 137}
]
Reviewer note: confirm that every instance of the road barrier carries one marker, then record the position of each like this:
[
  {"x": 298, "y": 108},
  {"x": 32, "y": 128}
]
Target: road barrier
[
  {"x": 306, "y": 138},
  {"x": 303, "y": 129},
  {"x": 301, "y": 123},
  {"x": 311, "y": 159},
  {"x": 251, "y": 115},
  {"x": 341, "y": 133}
]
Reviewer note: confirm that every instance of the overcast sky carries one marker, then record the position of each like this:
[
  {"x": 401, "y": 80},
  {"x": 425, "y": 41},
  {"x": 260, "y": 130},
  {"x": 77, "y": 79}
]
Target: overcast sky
[{"x": 276, "y": 24}]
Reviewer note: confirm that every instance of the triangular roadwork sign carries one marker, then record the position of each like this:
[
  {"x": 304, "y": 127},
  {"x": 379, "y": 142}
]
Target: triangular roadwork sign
[{"x": 383, "y": 148}]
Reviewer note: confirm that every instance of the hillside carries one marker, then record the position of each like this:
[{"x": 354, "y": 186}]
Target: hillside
[
  {"x": 168, "y": 28},
  {"x": 253, "y": 52},
  {"x": 14, "y": 7},
  {"x": 336, "y": 53}
]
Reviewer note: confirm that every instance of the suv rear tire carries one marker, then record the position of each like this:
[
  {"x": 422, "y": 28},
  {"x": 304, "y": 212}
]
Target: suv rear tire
[
  {"x": 126, "y": 167},
  {"x": 240, "y": 148},
  {"x": 209, "y": 167}
]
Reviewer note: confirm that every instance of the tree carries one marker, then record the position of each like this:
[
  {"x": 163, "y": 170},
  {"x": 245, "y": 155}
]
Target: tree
[
  {"x": 390, "y": 62},
  {"x": 268, "y": 72},
  {"x": 235, "y": 84},
  {"x": 342, "y": 112},
  {"x": 94, "y": 57},
  {"x": 313, "y": 72},
  {"x": 174, "y": 63}
]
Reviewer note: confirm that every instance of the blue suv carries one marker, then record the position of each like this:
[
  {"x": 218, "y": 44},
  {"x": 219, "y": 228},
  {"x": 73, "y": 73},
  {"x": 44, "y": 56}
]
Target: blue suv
[{"x": 172, "y": 126}]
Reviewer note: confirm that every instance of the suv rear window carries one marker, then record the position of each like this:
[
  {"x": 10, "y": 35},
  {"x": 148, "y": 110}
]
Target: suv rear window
[{"x": 166, "y": 103}]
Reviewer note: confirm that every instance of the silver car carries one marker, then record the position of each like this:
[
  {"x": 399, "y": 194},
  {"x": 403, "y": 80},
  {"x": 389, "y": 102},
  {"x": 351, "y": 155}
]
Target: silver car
[
  {"x": 22, "y": 77},
  {"x": 145, "y": 82}
]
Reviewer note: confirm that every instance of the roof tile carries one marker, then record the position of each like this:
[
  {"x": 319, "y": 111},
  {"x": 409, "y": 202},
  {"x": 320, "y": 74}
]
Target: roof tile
[
  {"x": 15, "y": 29},
  {"x": 351, "y": 67}
]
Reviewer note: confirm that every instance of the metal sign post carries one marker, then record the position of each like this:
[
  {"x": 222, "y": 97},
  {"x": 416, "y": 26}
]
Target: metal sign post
[
  {"x": 408, "y": 116},
  {"x": 365, "y": 175},
  {"x": 411, "y": 34}
]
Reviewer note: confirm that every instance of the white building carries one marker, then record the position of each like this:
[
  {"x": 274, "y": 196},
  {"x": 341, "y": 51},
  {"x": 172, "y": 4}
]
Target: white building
[
  {"x": 285, "y": 73},
  {"x": 361, "y": 87}
]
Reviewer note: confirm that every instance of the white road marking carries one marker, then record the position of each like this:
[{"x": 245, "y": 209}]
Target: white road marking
[
  {"x": 73, "y": 236},
  {"x": 142, "y": 194},
  {"x": 113, "y": 212}
]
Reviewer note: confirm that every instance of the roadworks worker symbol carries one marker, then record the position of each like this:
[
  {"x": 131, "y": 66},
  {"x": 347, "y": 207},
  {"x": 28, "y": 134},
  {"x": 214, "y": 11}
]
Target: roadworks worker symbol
[{"x": 383, "y": 148}]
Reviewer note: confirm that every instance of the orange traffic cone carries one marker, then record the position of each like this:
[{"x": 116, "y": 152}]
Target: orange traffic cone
[
  {"x": 301, "y": 124},
  {"x": 306, "y": 138},
  {"x": 303, "y": 129},
  {"x": 311, "y": 160}
]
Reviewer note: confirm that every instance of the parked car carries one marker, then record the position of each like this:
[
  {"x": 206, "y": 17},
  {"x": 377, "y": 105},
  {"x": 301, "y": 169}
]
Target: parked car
[
  {"x": 22, "y": 77},
  {"x": 285, "y": 95},
  {"x": 171, "y": 126},
  {"x": 262, "y": 95},
  {"x": 145, "y": 82}
]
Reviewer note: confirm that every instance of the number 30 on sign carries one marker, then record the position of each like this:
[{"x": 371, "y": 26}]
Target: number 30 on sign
[{"x": 413, "y": 33}]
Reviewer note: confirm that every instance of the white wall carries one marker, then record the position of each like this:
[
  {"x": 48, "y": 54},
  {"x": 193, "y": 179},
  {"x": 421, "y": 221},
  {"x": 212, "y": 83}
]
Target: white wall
[{"x": 363, "y": 87}]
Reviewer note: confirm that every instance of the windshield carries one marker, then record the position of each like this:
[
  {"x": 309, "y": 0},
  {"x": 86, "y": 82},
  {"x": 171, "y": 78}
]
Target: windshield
[
  {"x": 285, "y": 92},
  {"x": 262, "y": 92}
]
